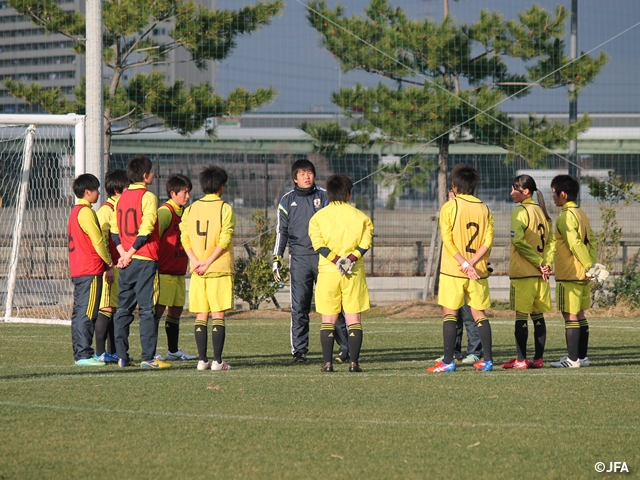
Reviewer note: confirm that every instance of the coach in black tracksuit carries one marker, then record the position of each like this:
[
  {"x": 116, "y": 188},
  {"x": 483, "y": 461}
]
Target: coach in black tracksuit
[{"x": 294, "y": 212}]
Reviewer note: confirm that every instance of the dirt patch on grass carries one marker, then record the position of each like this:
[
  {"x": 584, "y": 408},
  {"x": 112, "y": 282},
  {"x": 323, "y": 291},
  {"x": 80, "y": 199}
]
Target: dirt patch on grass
[{"x": 618, "y": 310}]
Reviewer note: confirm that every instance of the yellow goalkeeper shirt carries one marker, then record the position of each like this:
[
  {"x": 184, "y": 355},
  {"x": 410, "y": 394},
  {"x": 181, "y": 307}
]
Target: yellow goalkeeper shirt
[{"x": 344, "y": 230}]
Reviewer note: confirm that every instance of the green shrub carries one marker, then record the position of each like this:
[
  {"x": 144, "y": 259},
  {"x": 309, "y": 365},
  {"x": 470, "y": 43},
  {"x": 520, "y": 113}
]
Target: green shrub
[
  {"x": 625, "y": 287},
  {"x": 254, "y": 278}
]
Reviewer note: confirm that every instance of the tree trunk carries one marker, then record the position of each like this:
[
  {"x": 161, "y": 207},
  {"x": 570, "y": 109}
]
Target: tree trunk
[{"x": 107, "y": 146}]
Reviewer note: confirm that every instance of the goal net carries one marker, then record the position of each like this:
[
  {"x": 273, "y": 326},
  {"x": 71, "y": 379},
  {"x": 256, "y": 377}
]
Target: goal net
[{"x": 40, "y": 155}]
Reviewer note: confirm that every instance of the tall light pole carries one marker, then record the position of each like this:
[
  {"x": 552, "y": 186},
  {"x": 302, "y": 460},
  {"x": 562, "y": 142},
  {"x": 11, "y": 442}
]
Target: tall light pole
[{"x": 573, "y": 97}]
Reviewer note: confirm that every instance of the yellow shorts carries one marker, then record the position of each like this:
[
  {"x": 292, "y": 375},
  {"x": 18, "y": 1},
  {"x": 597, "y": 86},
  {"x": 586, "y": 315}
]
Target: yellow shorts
[
  {"x": 109, "y": 297},
  {"x": 335, "y": 292},
  {"x": 452, "y": 292},
  {"x": 573, "y": 297},
  {"x": 172, "y": 290},
  {"x": 529, "y": 295},
  {"x": 210, "y": 294}
]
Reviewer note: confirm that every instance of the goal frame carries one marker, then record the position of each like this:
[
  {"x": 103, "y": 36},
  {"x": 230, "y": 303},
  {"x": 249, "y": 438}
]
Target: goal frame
[{"x": 32, "y": 122}]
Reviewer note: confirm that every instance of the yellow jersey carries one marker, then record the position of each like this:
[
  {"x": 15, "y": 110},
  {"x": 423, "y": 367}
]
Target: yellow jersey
[
  {"x": 576, "y": 249},
  {"x": 343, "y": 230},
  {"x": 466, "y": 224},
  {"x": 532, "y": 241},
  {"x": 206, "y": 224}
]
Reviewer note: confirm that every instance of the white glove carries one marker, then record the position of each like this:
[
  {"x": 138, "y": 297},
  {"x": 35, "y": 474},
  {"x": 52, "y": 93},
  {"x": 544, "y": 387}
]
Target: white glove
[
  {"x": 597, "y": 272},
  {"x": 343, "y": 264},
  {"x": 347, "y": 264},
  {"x": 277, "y": 265}
]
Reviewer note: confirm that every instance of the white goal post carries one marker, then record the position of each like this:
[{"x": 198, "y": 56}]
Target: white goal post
[{"x": 40, "y": 155}]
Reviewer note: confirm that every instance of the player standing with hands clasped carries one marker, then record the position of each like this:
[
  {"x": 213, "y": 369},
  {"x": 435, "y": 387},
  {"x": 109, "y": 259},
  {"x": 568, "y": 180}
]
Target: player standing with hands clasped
[
  {"x": 172, "y": 264},
  {"x": 207, "y": 230},
  {"x": 575, "y": 266},
  {"x": 134, "y": 229},
  {"x": 88, "y": 260},
  {"x": 341, "y": 234},
  {"x": 466, "y": 226},
  {"x": 532, "y": 251}
]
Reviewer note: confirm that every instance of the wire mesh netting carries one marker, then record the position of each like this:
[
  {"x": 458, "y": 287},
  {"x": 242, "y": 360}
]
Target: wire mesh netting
[
  {"x": 393, "y": 94},
  {"x": 42, "y": 285}
]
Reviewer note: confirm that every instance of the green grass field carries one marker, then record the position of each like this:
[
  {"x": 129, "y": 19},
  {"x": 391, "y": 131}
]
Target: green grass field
[{"x": 269, "y": 418}]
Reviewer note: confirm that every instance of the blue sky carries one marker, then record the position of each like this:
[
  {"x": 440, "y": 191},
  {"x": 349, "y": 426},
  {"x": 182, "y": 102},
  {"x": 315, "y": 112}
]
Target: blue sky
[{"x": 288, "y": 55}]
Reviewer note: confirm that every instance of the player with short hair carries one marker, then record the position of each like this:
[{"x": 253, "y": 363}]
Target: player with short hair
[
  {"x": 532, "y": 251},
  {"x": 115, "y": 182},
  {"x": 465, "y": 321},
  {"x": 294, "y": 212},
  {"x": 466, "y": 226},
  {"x": 341, "y": 234},
  {"x": 172, "y": 265},
  {"x": 88, "y": 260},
  {"x": 207, "y": 230},
  {"x": 575, "y": 265},
  {"x": 134, "y": 229}
]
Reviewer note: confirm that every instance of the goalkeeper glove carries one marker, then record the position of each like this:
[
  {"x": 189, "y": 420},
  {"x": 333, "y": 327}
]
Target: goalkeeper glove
[
  {"x": 342, "y": 264},
  {"x": 346, "y": 264},
  {"x": 339, "y": 263},
  {"x": 597, "y": 272},
  {"x": 277, "y": 265}
]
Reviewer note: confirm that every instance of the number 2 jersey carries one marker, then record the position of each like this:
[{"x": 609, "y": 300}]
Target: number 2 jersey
[
  {"x": 466, "y": 224},
  {"x": 532, "y": 241}
]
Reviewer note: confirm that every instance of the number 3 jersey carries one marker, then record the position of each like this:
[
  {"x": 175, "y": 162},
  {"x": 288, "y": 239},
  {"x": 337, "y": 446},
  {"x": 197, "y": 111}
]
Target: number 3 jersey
[
  {"x": 466, "y": 224},
  {"x": 532, "y": 241}
]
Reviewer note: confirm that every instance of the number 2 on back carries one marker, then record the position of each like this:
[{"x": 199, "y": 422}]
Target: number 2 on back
[{"x": 473, "y": 237}]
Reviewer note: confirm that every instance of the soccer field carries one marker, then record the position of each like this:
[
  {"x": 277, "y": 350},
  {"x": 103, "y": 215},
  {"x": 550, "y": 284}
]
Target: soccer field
[{"x": 270, "y": 418}]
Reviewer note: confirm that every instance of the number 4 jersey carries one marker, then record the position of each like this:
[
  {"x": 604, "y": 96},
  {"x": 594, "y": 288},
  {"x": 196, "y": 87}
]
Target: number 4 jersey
[
  {"x": 531, "y": 240},
  {"x": 466, "y": 224},
  {"x": 206, "y": 224}
]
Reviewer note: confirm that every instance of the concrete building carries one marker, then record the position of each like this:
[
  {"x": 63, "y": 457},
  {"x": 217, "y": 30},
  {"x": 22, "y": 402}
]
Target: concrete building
[{"x": 29, "y": 54}]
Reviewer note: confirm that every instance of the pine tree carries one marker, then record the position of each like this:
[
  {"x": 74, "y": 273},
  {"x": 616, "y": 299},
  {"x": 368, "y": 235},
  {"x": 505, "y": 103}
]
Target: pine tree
[
  {"x": 450, "y": 79},
  {"x": 147, "y": 100}
]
